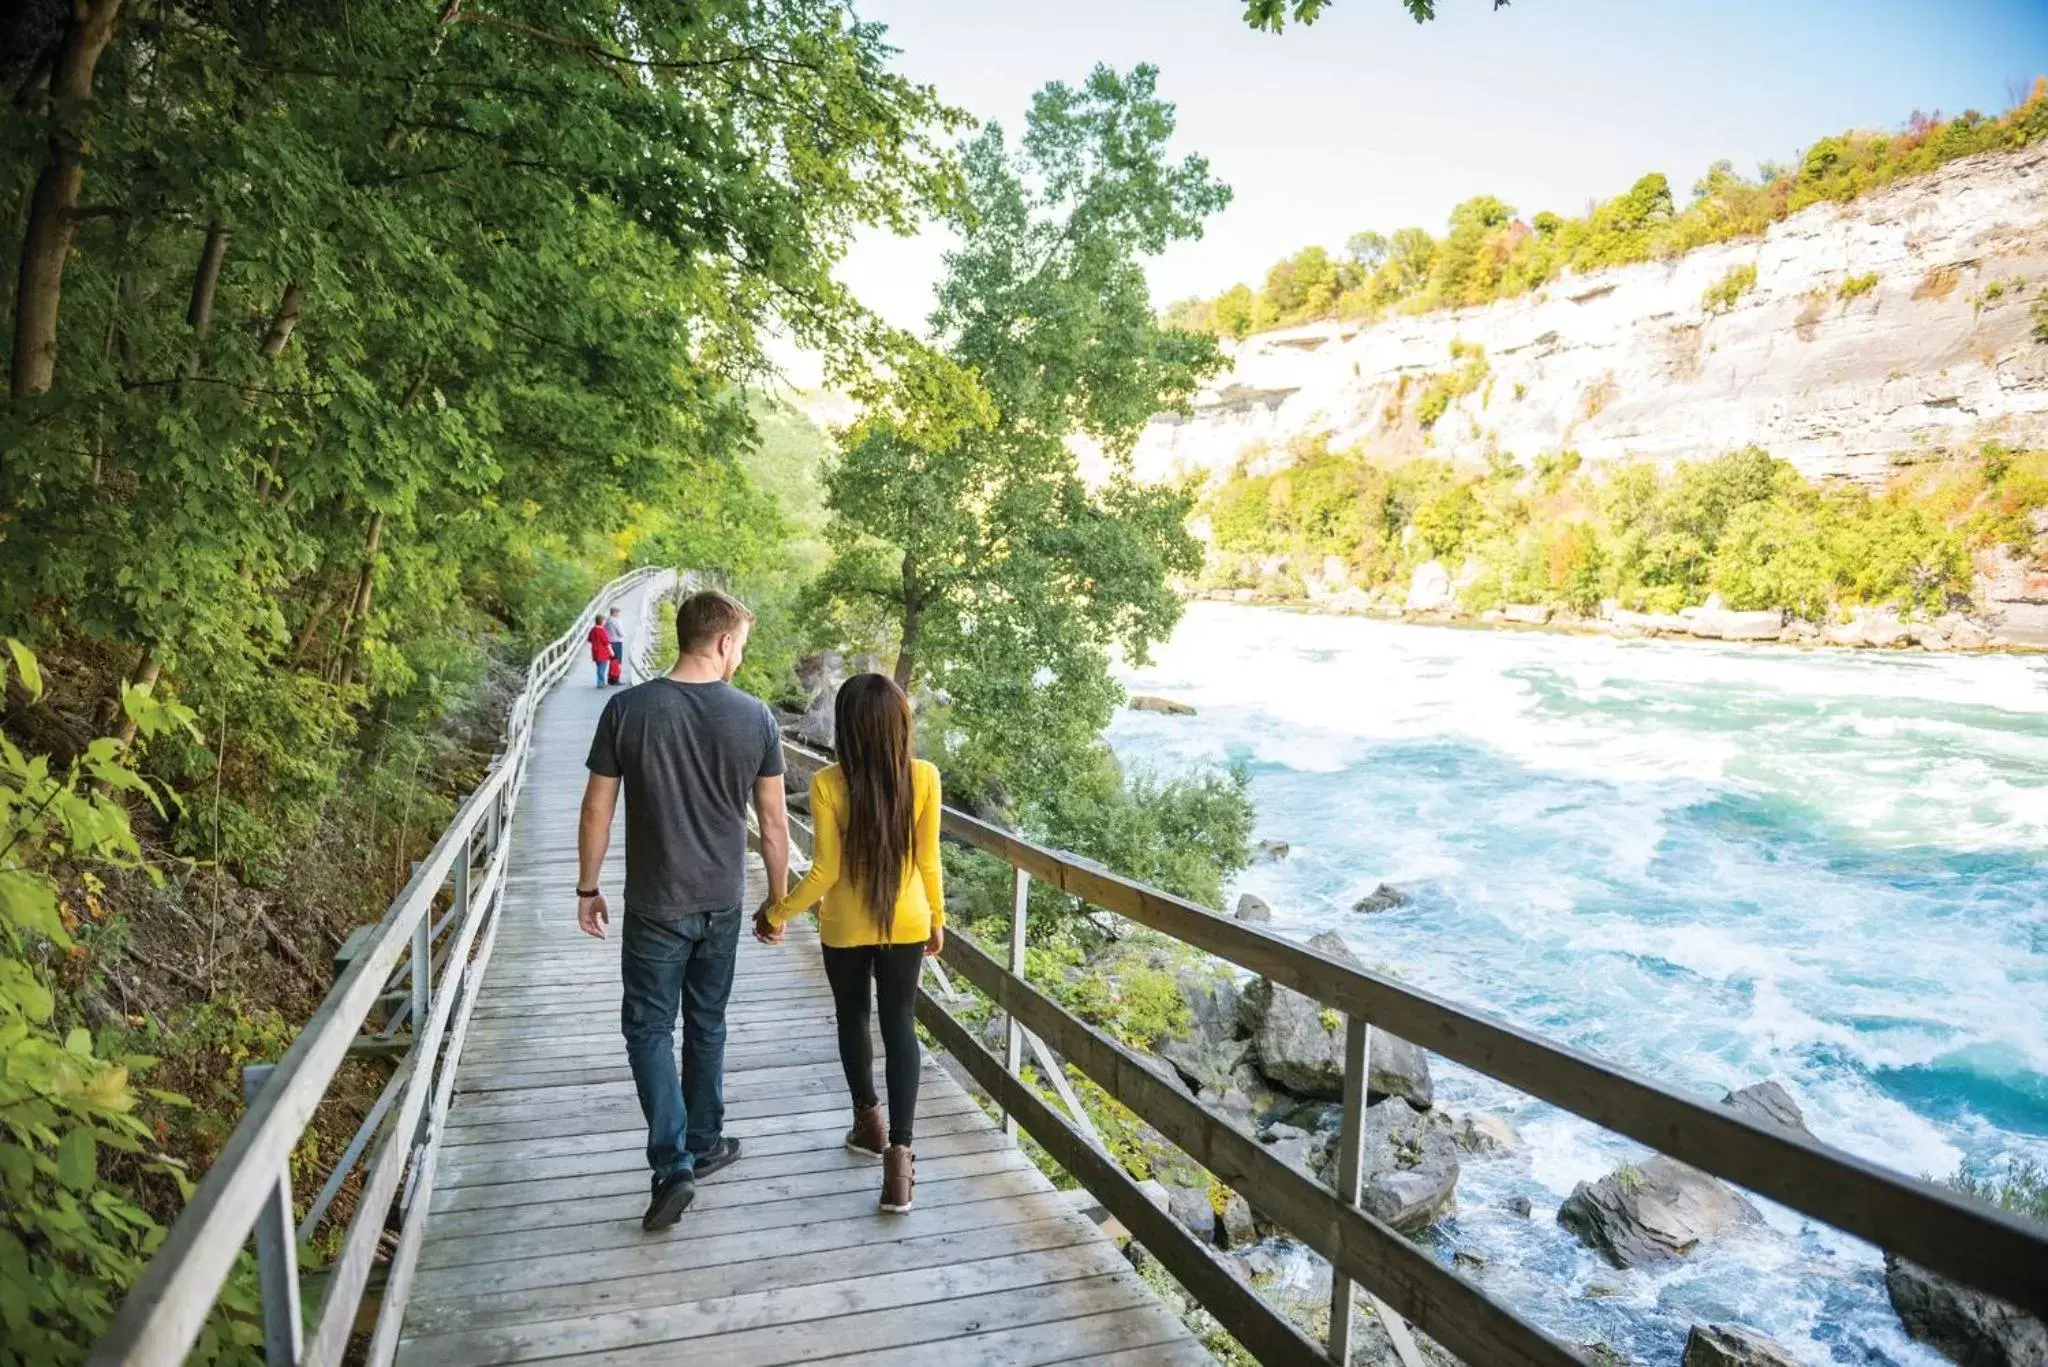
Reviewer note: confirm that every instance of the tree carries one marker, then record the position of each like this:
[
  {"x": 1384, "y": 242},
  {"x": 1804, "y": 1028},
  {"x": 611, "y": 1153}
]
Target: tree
[
  {"x": 359, "y": 307},
  {"x": 1006, "y": 576},
  {"x": 1272, "y": 15}
]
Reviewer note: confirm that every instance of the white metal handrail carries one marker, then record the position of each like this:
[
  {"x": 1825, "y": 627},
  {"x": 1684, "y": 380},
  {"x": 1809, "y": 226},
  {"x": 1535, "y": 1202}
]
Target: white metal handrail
[{"x": 248, "y": 1187}]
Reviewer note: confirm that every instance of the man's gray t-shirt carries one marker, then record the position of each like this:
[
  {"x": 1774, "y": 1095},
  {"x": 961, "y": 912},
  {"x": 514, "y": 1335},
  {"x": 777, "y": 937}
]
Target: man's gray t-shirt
[{"x": 688, "y": 754}]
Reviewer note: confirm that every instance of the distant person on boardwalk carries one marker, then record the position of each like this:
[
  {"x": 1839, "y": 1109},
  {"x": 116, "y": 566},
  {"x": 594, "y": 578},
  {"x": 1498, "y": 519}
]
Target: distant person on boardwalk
[
  {"x": 876, "y": 867},
  {"x": 691, "y": 751},
  {"x": 615, "y": 628},
  {"x": 600, "y": 649}
]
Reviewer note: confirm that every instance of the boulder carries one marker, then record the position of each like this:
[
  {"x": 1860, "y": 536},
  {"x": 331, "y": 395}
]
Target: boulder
[
  {"x": 1269, "y": 851},
  {"x": 1156, "y": 1193},
  {"x": 1650, "y": 623},
  {"x": 1235, "y": 1224},
  {"x": 1716, "y": 623},
  {"x": 1190, "y": 1207},
  {"x": 1655, "y": 1212},
  {"x": 1769, "y": 1103},
  {"x": 1411, "y": 1199},
  {"x": 1485, "y": 1133},
  {"x": 1253, "y": 909},
  {"x": 1297, "y": 1148},
  {"x": 1960, "y": 632},
  {"x": 1429, "y": 590},
  {"x": 1963, "y": 1324},
  {"x": 1525, "y": 614},
  {"x": 1384, "y": 897},
  {"x": 819, "y": 676},
  {"x": 1209, "y": 1054},
  {"x": 1731, "y": 1345},
  {"x": 1299, "y": 1043},
  {"x": 1408, "y": 1163},
  {"x": 1400, "y": 1069},
  {"x": 1522, "y": 1206},
  {"x": 1146, "y": 702}
]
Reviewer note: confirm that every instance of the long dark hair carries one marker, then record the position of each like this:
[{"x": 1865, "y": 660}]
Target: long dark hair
[{"x": 871, "y": 723}]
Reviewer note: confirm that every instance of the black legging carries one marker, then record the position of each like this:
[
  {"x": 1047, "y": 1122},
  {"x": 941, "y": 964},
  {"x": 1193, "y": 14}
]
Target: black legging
[{"x": 894, "y": 969}]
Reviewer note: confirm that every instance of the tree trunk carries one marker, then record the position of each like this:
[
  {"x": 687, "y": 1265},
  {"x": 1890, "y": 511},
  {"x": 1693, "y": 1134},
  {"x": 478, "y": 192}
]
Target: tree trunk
[
  {"x": 359, "y": 608},
  {"x": 205, "y": 288},
  {"x": 51, "y": 222},
  {"x": 906, "y": 651},
  {"x": 277, "y": 337},
  {"x": 146, "y": 675}
]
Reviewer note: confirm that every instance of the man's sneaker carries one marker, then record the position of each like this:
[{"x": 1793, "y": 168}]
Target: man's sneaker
[
  {"x": 869, "y": 1136},
  {"x": 899, "y": 1179},
  {"x": 672, "y": 1196},
  {"x": 719, "y": 1155}
]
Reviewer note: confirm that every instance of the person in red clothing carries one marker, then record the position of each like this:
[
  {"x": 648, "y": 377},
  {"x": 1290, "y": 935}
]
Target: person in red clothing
[{"x": 601, "y": 649}]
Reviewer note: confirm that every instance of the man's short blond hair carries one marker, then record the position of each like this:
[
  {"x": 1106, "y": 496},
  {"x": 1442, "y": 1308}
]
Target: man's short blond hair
[{"x": 705, "y": 616}]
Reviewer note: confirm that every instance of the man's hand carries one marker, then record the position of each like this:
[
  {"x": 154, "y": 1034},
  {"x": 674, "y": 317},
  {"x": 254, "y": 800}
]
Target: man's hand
[
  {"x": 592, "y": 916},
  {"x": 764, "y": 930},
  {"x": 936, "y": 944}
]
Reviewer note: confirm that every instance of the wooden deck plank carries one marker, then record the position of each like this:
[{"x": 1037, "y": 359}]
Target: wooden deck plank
[{"x": 533, "y": 1246}]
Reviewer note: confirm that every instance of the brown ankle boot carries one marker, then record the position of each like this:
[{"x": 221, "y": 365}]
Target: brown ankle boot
[
  {"x": 869, "y": 1136},
  {"x": 899, "y": 1179}
]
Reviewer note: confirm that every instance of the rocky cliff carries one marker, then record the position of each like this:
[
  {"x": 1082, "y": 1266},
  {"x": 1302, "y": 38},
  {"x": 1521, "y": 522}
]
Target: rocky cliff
[{"x": 1843, "y": 374}]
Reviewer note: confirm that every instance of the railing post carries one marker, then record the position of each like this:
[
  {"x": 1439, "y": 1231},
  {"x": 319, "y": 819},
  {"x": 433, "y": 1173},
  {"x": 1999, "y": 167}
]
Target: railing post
[
  {"x": 422, "y": 968},
  {"x": 277, "y": 1253},
  {"x": 1013, "y": 1048},
  {"x": 1350, "y": 1149}
]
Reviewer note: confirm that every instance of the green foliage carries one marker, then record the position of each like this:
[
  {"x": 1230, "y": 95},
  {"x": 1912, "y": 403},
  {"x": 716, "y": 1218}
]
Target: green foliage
[
  {"x": 2037, "y": 314},
  {"x": 387, "y": 334},
  {"x": 2022, "y": 1188},
  {"x": 1272, "y": 16},
  {"x": 958, "y": 512},
  {"x": 70, "y": 1243},
  {"x": 1856, "y": 286},
  {"x": 1488, "y": 253},
  {"x": 1720, "y": 296},
  {"x": 1743, "y": 525},
  {"x": 1447, "y": 387}
]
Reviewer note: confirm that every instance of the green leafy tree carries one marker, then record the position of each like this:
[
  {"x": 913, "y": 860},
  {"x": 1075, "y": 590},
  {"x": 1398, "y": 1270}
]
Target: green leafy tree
[
  {"x": 1272, "y": 15},
  {"x": 1006, "y": 576}
]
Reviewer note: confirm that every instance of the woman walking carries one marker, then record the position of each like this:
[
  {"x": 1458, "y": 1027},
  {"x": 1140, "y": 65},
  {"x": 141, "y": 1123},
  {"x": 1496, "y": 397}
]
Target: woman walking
[{"x": 875, "y": 865}]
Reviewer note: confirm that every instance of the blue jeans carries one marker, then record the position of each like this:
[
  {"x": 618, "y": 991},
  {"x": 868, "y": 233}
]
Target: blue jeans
[
  {"x": 684, "y": 964},
  {"x": 604, "y": 667}
]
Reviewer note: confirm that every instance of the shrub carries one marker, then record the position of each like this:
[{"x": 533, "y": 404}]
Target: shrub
[
  {"x": 1722, "y": 294},
  {"x": 72, "y": 1241},
  {"x": 1856, "y": 286}
]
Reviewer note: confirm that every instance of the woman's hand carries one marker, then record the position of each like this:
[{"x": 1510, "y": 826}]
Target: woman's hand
[
  {"x": 765, "y": 930},
  {"x": 936, "y": 943}
]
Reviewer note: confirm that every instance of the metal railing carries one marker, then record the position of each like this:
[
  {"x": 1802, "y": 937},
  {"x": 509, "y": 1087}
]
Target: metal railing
[
  {"x": 395, "y": 963},
  {"x": 1930, "y": 1224}
]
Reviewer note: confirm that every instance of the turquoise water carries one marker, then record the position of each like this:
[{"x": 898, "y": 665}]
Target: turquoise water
[{"x": 1713, "y": 864}]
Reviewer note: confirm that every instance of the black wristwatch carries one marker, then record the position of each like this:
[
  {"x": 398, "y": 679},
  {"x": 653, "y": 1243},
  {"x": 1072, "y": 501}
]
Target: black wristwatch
[{"x": 588, "y": 892}]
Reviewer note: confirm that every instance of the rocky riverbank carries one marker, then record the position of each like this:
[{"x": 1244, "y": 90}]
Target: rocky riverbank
[
  {"x": 2008, "y": 613},
  {"x": 1270, "y": 1061}
]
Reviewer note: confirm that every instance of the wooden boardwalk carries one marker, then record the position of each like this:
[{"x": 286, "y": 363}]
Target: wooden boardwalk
[{"x": 533, "y": 1246}]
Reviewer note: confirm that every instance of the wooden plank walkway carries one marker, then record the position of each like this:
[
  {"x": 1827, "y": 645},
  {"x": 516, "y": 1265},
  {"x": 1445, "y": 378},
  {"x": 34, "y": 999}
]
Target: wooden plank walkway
[{"x": 534, "y": 1249}]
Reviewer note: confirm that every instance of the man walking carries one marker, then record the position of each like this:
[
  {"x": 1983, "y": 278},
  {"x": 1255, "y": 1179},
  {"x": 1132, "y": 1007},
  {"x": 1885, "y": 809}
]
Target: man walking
[
  {"x": 615, "y": 632},
  {"x": 690, "y": 750}
]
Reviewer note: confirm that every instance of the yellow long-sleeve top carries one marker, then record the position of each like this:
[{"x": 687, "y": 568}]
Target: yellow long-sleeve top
[{"x": 845, "y": 920}]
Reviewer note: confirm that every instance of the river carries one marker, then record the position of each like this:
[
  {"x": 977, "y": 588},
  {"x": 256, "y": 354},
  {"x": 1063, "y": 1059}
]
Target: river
[{"x": 1715, "y": 864}]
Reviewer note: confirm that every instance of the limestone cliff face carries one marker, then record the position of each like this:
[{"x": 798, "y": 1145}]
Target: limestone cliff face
[{"x": 1630, "y": 363}]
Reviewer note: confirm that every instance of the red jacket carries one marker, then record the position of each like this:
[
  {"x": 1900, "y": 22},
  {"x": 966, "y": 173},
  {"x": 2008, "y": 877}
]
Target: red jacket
[{"x": 600, "y": 644}]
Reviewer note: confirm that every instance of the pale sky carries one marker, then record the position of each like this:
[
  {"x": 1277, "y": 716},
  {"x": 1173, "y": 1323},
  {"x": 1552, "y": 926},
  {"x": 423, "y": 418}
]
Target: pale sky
[{"x": 1369, "y": 120}]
